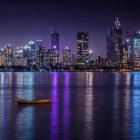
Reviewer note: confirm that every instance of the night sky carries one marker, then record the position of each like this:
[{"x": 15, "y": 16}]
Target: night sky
[{"x": 25, "y": 20}]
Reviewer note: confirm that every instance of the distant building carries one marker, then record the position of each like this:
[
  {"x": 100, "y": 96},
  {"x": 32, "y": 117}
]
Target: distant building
[
  {"x": 100, "y": 62},
  {"x": 82, "y": 48},
  {"x": 18, "y": 57},
  {"x": 49, "y": 58},
  {"x": 73, "y": 59},
  {"x": 9, "y": 55},
  {"x": 55, "y": 48},
  {"x": 67, "y": 56},
  {"x": 114, "y": 44}
]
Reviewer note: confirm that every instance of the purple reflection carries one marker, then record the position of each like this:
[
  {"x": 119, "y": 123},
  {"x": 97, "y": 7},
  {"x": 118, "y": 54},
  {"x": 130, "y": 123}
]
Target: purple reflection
[
  {"x": 66, "y": 104},
  {"x": 54, "y": 113}
]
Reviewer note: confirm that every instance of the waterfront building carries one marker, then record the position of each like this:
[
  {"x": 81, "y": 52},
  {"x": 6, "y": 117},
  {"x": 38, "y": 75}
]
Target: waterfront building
[
  {"x": 9, "y": 55},
  {"x": 67, "y": 56},
  {"x": 114, "y": 44},
  {"x": 82, "y": 48}
]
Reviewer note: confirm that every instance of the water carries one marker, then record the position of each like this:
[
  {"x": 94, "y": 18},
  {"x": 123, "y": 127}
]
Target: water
[{"x": 86, "y": 106}]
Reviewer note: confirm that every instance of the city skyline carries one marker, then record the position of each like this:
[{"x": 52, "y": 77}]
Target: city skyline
[{"x": 31, "y": 20}]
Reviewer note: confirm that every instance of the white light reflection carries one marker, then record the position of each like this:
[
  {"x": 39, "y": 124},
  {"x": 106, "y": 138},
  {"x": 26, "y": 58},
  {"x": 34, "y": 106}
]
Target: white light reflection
[
  {"x": 28, "y": 90},
  {"x": 89, "y": 105},
  {"x": 117, "y": 78},
  {"x": 2, "y": 79},
  {"x": 89, "y": 78}
]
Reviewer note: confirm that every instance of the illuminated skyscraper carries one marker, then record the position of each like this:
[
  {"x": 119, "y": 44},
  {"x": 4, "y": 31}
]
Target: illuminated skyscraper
[
  {"x": 82, "y": 48},
  {"x": 9, "y": 55},
  {"x": 124, "y": 56},
  {"x": 114, "y": 44}
]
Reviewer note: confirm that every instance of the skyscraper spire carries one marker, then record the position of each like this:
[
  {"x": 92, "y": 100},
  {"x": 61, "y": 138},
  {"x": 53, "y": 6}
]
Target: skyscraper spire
[{"x": 117, "y": 23}]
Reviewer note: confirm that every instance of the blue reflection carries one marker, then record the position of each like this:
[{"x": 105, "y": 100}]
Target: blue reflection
[
  {"x": 26, "y": 89},
  {"x": 135, "y": 108}
]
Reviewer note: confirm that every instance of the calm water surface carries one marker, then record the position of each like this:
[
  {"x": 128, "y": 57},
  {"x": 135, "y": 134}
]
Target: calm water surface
[{"x": 86, "y": 106}]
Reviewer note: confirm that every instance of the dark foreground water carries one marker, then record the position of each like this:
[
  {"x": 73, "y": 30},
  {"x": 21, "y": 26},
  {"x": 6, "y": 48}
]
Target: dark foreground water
[{"x": 86, "y": 106}]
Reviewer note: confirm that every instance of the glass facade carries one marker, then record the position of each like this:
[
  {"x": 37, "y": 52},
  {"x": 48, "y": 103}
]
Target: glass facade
[{"x": 136, "y": 50}]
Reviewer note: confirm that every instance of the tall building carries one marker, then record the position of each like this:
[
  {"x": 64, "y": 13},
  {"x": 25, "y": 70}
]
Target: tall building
[
  {"x": 55, "y": 48},
  {"x": 114, "y": 44},
  {"x": 136, "y": 48},
  {"x": 124, "y": 56},
  {"x": 9, "y": 55},
  {"x": 82, "y": 48},
  {"x": 67, "y": 56}
]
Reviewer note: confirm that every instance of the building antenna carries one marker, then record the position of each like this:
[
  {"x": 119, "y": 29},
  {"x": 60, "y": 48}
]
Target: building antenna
[
  {"x": 52, "y": 29},
  {"x": 117, "y": 23}
]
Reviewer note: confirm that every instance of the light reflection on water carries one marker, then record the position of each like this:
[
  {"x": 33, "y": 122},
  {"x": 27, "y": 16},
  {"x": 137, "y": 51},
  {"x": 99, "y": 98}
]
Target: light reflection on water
[{"x": 85, "y": 106}]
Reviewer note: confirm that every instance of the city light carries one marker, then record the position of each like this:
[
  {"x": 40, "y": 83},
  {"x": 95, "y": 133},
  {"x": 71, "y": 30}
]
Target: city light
[
  {"x": 90, "y": 51},
  {"x": 54, "y": 47}
]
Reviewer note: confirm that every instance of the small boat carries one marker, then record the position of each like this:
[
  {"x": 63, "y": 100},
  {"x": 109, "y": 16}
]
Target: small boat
[{"x": 35, "y": 101}]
